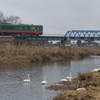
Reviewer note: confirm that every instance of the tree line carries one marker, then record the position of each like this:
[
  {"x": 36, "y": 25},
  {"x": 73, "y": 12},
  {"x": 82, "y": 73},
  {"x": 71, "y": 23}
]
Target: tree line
[{"x": 9, "y": 19}]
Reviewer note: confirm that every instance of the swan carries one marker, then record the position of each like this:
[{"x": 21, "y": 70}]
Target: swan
[
  {"x": 97, "y": 69},
  {"x": 80, "y": 89},
  {"x": 44, "y": 81},
  {"x": 63, "y": 80},
  {"x": 68, "y": 78},
  {"x": 27, "y": 80}
]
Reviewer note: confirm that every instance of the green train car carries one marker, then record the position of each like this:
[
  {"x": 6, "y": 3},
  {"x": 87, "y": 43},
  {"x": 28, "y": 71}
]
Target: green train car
[{"x": 8, "y": 29}]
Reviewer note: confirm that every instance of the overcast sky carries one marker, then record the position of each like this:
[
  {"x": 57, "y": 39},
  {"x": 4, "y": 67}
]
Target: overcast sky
[{"x": 56, "y": 16}]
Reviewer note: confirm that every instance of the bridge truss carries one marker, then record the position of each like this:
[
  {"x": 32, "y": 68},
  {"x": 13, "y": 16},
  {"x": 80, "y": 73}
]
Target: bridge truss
[{"x": 83, "y": 35}]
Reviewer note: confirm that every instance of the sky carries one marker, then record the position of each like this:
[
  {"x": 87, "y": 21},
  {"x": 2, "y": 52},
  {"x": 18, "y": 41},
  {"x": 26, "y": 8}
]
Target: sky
[{"x": 56, "y": 16}]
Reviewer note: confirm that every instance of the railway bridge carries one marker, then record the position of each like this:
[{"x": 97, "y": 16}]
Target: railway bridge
[{"x": 70, "y": 35}]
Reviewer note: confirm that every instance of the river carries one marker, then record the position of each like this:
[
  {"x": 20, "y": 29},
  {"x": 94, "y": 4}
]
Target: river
[{"x": 12, "y": 87}]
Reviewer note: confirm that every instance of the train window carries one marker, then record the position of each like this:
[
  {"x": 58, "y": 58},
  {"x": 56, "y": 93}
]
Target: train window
[
  {"x": 8, "y": 27},
  {"x": 12, "y": 27},
  {"x": 15, "y": 28},
  {"x": 20, "y": 28},
  {"x": 3, "y": 27},
  {"x": 39, "y": 28},
  {"x": 26, "y": 28}
]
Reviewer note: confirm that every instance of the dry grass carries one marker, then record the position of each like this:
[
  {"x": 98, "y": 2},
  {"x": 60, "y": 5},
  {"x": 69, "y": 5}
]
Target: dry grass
[
  {"x": 81, "y": 52},
  {"x": 91, "y": 93},
  {"x": 12, "y": 53}
]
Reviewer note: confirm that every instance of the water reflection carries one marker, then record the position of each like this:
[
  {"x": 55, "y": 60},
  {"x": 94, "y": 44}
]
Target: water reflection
[{"x": 13, "y": 88}]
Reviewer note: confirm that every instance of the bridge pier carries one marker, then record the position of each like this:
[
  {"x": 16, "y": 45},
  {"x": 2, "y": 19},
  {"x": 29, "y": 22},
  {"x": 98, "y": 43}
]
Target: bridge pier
[{"x": 79, "y": 42}]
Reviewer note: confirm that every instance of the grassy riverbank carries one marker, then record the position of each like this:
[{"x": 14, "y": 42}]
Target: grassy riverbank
[
  {"x": 90, "y": 81},
  {"x": 11, "y": 53}
]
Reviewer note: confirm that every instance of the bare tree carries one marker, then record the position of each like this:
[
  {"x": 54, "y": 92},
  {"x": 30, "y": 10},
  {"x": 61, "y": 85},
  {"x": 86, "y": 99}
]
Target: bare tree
[
  {"x": 10, "y": 19},
  {"x": 2, "y": 18},
  {"x": 13, "y": 20}
]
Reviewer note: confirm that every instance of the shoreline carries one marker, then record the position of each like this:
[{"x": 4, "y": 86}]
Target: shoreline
[{"x": 88, "y": 85}]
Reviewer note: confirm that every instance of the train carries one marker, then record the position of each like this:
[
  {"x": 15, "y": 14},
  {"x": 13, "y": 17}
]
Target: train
[{"x": 11, "y": 29}]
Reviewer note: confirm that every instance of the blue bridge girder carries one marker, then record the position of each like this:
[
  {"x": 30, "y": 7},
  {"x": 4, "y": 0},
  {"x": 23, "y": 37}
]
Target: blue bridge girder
[{"x": 83, "y": 35}]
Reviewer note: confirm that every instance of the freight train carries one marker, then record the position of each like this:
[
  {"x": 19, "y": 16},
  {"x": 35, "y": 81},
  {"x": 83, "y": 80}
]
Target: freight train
[{"x": 12, "y": 29}]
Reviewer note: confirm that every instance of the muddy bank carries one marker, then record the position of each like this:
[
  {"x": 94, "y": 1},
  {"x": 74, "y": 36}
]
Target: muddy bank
[
  {"x": 90, "y": 81},
  {"x": 13, "y": 54}
]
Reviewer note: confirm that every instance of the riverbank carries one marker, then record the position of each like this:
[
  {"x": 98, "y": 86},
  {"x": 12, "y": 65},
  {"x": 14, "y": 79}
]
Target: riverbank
[
  {"x": 90, "y": 82},
  {"x": 14, "y": 54}
]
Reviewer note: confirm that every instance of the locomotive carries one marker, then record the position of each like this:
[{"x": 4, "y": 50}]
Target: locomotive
[{"x": 12, "y": 29}]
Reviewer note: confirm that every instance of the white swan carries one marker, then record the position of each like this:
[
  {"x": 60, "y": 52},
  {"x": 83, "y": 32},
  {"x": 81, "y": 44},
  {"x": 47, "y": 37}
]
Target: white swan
[
  {"x": 27, "y": 80},
  {"x": 63, "y": 80},
  {"x": 80, "y": 89},
  {"x": 44, "y": 81},
  {"x": 68, "y": 78},
  {"x": 96, "y": 69}
]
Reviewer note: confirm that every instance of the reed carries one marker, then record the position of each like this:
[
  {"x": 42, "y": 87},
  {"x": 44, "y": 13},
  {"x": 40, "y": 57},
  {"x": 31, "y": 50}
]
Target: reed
[{"x": 33, "y": 54}]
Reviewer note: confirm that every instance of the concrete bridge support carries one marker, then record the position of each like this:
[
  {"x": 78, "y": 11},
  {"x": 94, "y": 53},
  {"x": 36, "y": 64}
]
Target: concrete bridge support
[{"x": 79, "y": 42}]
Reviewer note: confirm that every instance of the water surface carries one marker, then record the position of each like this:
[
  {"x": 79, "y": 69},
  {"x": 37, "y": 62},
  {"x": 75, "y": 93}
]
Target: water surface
[{"x": 12, "y": 87}]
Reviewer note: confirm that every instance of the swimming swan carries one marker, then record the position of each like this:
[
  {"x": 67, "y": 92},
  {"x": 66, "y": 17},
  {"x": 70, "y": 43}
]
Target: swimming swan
[
  {"x": 44, "y": 81},
  {"x": 27, "y": 80}
]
